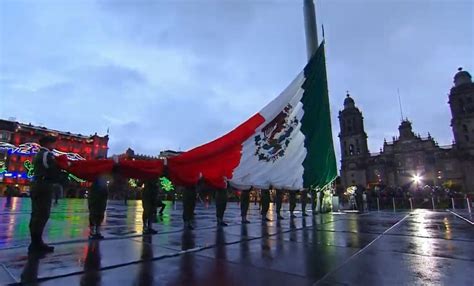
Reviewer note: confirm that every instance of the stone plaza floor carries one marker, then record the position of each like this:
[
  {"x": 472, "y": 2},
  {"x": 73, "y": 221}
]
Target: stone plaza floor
[{"x": 378, "y": 248}]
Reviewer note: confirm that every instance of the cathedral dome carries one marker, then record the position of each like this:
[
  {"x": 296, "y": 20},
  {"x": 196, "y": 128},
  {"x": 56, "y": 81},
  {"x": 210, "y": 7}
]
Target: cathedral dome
[
  {"x": 462, "y": 77},
  {"x": 349, "y": 102}
]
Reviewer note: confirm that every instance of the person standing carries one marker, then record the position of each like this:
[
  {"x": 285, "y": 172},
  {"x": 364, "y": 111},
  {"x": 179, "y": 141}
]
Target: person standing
[
  {"x": 265, "y": 202},
  {"x": 189, "y": 202},
  {"x": 46, "y": 174},
  {"x": 304, "y": 199},
  {"x": 97, "y": 203},
  {"x": 221, "y": 204},
  {"x": 292, "y": 195},
  {"x": 244, "y": 204},
  {"x": 149, "y": 196},
  {"x": 279, "y": 202}
]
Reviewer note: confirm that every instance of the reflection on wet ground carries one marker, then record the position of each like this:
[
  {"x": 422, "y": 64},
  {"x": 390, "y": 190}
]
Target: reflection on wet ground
[{"x": 386, "y": 248}]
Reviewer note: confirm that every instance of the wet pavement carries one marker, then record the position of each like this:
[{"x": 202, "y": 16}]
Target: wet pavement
[{"x": 379, "y": 248}]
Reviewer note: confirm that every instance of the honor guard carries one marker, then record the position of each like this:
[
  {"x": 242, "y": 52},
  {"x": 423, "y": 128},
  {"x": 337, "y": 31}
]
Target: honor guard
[
  {"x": 46, "y": 174},
  {"x": 149, "y": 195},
  {"x": 221, "y": 204},
  {"x": 279, "y": 202},
  {"x": 265, "y": 201},
  {"x": 304, "y": 200},
  {"x": 244, "y": 204},
  {"x": 292, "y": 195}
]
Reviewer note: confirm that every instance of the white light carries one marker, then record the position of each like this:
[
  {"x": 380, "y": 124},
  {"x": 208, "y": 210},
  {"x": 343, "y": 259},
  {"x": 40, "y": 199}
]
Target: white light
[{"x": 417, "y": 179}]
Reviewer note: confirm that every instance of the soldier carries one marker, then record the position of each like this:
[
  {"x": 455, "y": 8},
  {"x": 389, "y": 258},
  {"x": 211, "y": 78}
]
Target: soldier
[
  {"x": 221, "y": 203},
  {"x": 149, "y": 196},
  {"x": 158, "y": 204},
  {"x": 46, "y": 174},
  {"x": 303, "y": 199},
  {"x": 279, "y": 202},
  {"x": 97, "y": 203},
  {"x": 189, "y": 203},
  {"x": 265, "y": 201},
  {"x": 292, "y": 203},
  {"x": 244, "y": 204}
]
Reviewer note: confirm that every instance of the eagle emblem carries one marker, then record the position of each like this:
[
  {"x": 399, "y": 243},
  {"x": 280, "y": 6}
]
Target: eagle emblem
[{"x": 275, "y": 137}]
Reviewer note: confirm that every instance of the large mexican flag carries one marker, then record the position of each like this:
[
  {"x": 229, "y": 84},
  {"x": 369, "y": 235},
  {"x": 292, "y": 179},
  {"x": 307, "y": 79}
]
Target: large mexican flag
[{"x": 287, "y": 145}]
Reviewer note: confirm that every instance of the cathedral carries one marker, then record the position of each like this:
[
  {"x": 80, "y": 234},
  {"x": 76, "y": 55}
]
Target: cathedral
[{"x": 409, "y": 160}]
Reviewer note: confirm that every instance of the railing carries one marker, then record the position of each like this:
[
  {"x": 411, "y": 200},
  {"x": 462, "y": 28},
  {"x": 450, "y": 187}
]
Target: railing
[{"x": 395, "y": 204}]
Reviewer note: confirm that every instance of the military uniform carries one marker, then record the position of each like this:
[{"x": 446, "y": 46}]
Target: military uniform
[
  {"x": 149, "y": 195},
  {"x": 304, "y": 199},
  {"x": 189, "y": 202},
  {"x": 292, "y": 203},
  {"x": 221, "y": 203},
  {"x": 244, "y": 204},
  {"x": 265, "y": 201},
  {"x": 279, "y": 203},
  {"x": 46, "y": 174},
  {"x": 97, "y": 203}
]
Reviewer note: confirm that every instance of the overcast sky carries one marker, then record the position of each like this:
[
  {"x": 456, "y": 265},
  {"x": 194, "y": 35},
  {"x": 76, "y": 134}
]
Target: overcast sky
[{"x": 175, "y": 74}]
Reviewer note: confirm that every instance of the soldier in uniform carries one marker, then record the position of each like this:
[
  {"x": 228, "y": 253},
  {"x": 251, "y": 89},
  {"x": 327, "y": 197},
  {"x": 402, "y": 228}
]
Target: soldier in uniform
[
  {"x": 149, "y": 196},
  {"x": 46, "y": 174},
  {"x": 189, "y": 203},
  {"x": 279, "y": 202},
  {"x": 304, "y": 199},
  {"x": 221, "y": 203},
  {"x": 265, "y": 201},
  {"x": 244, "y": 204},
  {"x": 97, "y": 203},
  {"x": 292, "y": 203}
]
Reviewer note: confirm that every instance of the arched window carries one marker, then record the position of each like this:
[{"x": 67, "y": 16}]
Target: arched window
[{"x": 351, "y": 149}]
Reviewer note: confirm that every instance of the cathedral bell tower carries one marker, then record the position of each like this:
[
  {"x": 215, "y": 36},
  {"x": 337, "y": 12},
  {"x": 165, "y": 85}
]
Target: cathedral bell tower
[
  {"x": 353, "y": 140},
  {"x": 461, "y": 102}
]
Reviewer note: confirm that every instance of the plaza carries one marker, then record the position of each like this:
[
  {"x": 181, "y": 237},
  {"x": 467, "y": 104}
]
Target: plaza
[{"x": 421, "y": 247}]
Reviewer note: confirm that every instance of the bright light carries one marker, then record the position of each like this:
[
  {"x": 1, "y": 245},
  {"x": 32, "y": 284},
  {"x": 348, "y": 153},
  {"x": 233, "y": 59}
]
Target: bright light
[{"x": 417, "y": 179}]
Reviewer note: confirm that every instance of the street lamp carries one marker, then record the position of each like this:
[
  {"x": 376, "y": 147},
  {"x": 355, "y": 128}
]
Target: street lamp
[{"x": 417, "y": 179}]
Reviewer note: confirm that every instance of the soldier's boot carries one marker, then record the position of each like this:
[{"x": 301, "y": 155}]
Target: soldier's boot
[
  {"x": 279, "y": 216},
  {"x": 265, "y": 219},
  {"x": 98, "y": 234},
  {"x": 92, "y": 232},
  {"x": 292, "y": 215},
  {"x": 305, "y": 214},
  {"x": 37, "y": 245},
  {"x": 244, "y": 219},
  {"x": 150, "y": 228},
  {"x": 220, "y": 222}
]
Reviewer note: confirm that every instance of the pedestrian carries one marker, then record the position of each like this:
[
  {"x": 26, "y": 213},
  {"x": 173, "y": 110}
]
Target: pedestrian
[
  {"x": 265, "y": 202},
  {"x": 221, "y": 203},
  {"x": 292, "y": 195},
  {"x": 244, "y": 204},
  {"x": 97, "y": 203},
  {"x": 46, "y": 174},
  {"x": 279, "y": 202},
  {"x": 303, "y": 200},
  {"x": 149, "y": 196}
]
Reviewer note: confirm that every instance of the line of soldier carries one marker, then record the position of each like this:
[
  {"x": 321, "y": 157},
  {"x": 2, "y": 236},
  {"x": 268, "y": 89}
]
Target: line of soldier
[{"x": 47, "y": 175}]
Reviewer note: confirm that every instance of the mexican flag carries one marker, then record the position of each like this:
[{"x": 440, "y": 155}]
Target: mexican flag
[{"x": 287, "y": 145}]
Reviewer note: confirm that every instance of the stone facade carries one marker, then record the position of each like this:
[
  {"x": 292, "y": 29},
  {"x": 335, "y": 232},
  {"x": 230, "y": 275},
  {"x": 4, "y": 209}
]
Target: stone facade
[{"x": 409, "y": 160}]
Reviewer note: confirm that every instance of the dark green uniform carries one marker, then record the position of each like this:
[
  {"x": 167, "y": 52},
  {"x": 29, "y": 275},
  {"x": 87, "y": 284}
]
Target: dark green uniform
[
  {"x": 149, "y": 194},
  {"x": 265, "y": 200},
  {"x": 244, "y": 204},
  {"x": 97, "y": 203},
  {"x": 279, "y": 203},
  {"x": 221, "y": 203},
  {"x": 304, "y": 199},
  {"x": 292, "y": 202},
  {"x": 46, "y": 174},
  {"x": 189, "y": 202}
]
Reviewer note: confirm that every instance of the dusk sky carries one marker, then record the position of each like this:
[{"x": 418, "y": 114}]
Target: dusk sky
[{"x": 176, "y": 74}]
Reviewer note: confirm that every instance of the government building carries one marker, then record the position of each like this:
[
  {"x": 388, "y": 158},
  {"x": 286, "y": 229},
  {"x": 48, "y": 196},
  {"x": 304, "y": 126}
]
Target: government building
[{"x": 410, "y": 161}]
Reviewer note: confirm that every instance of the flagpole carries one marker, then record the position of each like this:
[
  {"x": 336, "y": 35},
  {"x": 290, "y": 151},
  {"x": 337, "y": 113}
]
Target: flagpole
[{"x": 310, "y": 28}]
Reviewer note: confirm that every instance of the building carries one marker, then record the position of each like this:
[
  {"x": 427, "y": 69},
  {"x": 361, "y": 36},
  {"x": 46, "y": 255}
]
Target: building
[
  {"x": 409, "y": 160},
  {"x": 15, "y": 161}
]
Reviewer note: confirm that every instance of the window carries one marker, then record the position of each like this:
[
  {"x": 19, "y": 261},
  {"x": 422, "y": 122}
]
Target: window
[{"x": 351, "y": 149}]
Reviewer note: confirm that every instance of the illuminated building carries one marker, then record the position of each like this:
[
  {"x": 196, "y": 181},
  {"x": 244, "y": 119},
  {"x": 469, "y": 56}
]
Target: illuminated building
[
  {"x": 409, "y": 160},
  {"x": 15, "y": 161}
]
